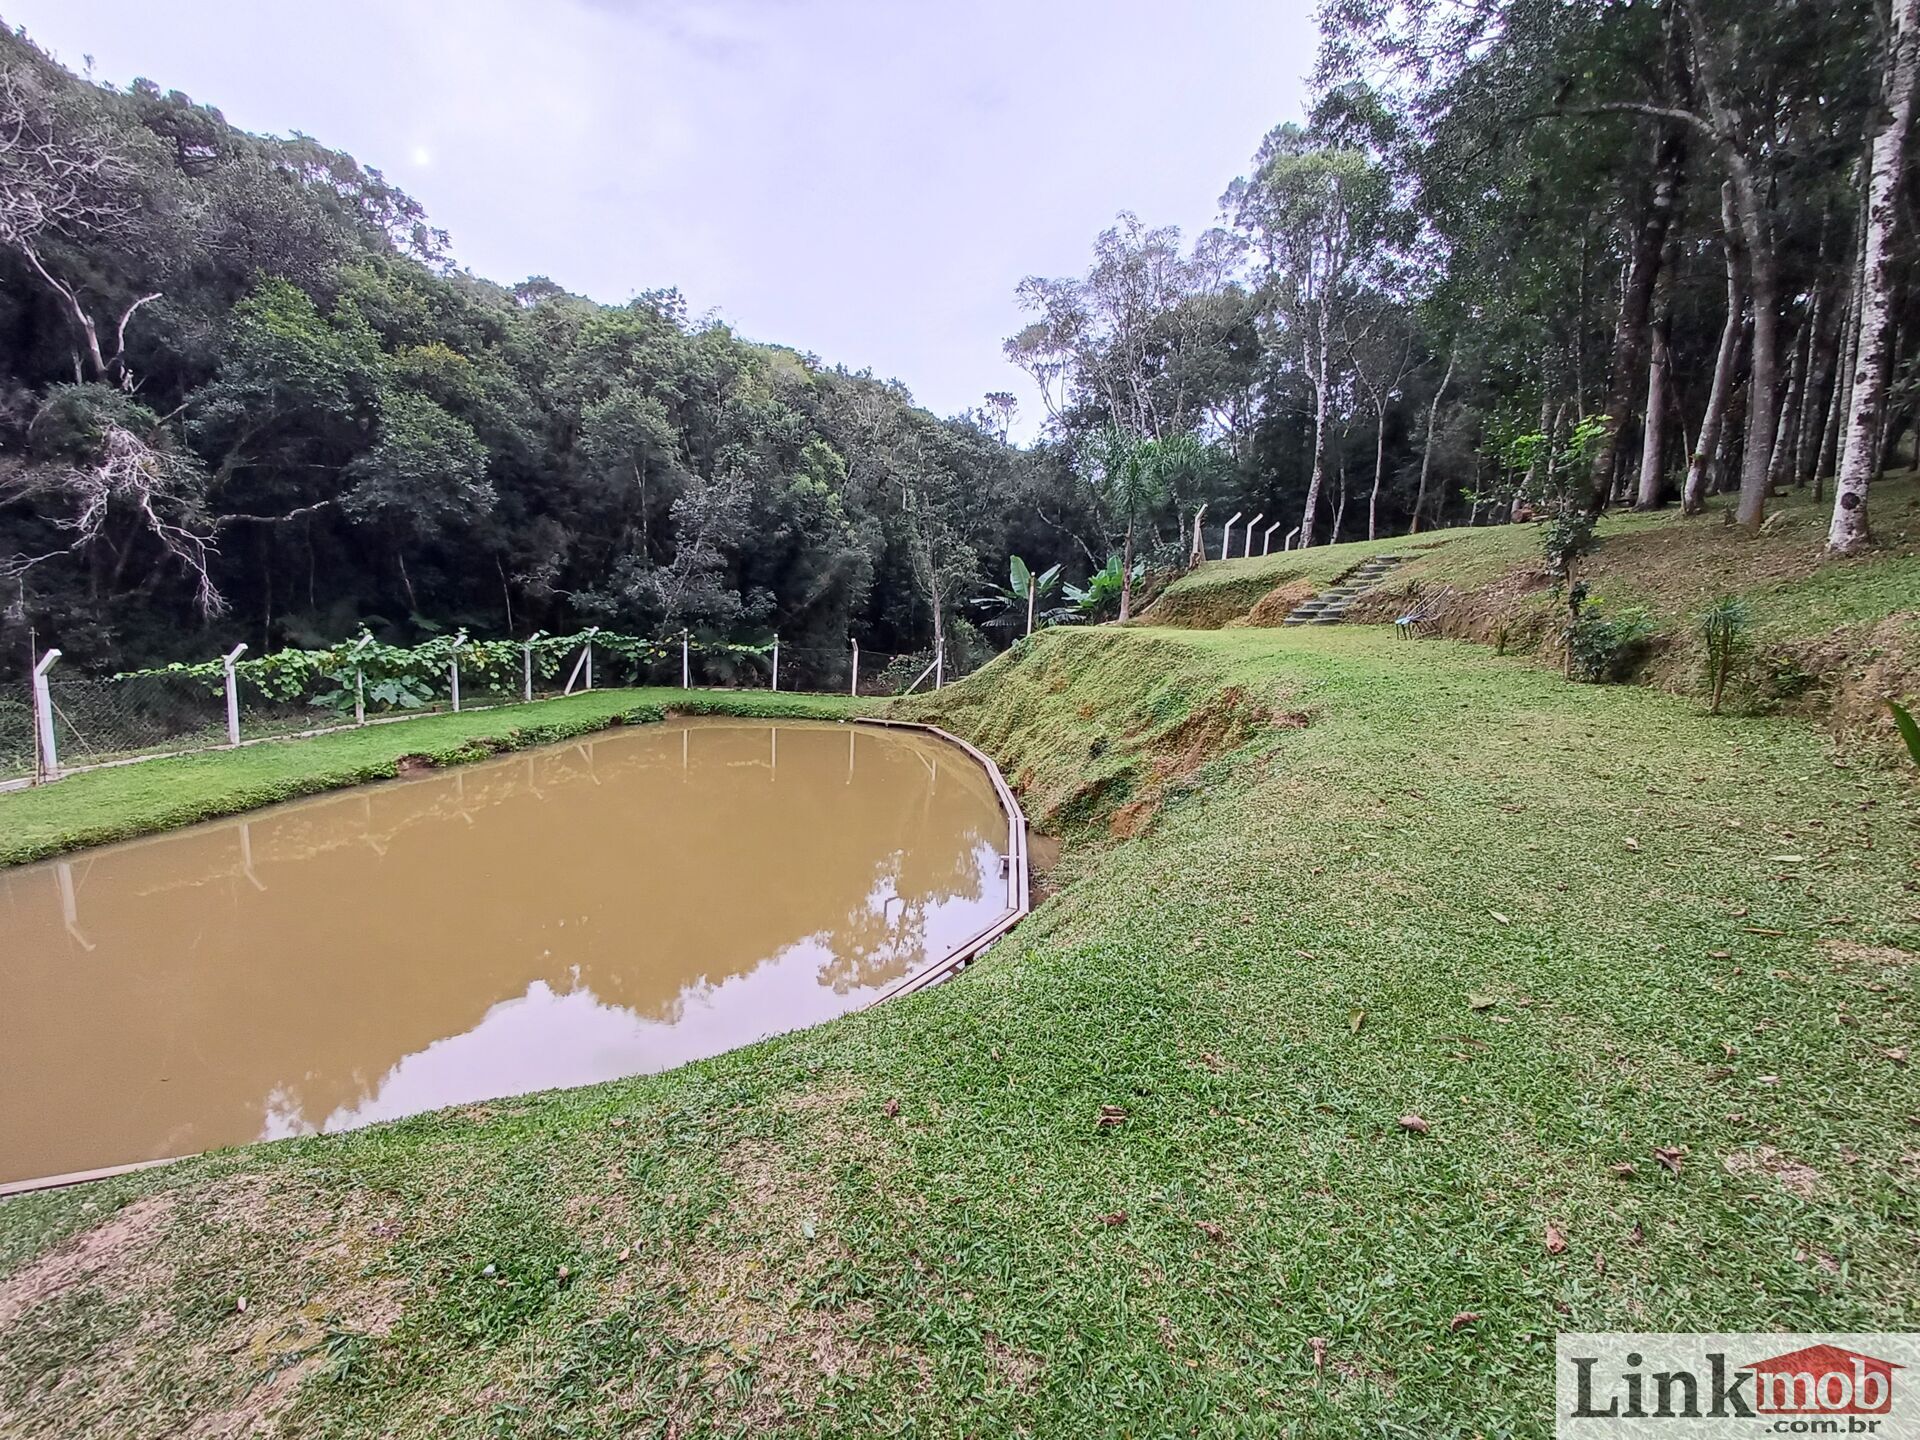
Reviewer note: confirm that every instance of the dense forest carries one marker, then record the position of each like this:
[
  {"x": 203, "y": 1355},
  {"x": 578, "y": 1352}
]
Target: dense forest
[{"x": 1523, "y": 256}]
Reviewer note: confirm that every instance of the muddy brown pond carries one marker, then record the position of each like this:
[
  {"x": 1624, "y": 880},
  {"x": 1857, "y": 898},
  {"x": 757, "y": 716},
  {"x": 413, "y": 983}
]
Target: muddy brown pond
[{"x": 611, "y": 907}]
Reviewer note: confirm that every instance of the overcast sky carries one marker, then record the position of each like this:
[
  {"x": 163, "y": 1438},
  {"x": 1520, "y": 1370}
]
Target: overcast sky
[{"x": 863, "y": 179}]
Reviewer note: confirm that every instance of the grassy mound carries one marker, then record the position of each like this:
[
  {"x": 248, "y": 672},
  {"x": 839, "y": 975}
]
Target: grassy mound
[
  {"x": 1830, "y": 641},
  {"x": 128, "y": 800},
  {"x": 1480, "y": 1007},
  {"x": 1211, "y": 595}
]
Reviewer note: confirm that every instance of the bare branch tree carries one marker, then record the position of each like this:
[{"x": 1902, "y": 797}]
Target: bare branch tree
[
  {"x": 160, "y": 489},
  {"x": 64, "y": 174}
]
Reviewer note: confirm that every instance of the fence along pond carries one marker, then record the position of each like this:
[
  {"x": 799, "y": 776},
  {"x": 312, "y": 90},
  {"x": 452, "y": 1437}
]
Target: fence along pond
[{"x": 612, "y": 907}]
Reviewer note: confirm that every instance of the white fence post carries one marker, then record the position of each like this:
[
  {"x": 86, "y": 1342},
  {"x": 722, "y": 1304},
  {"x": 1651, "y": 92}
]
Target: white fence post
[
  {"x": 526, "y": 671},
  {"x": 854, "y": 688},
  {"x": 233, "y": 693},
  {"x": 1287, "y": 544},
  {"x": 359, "y": 680},
  {"x": 453, "y": 671},
  {"x": 1248, "y": 549},
  {"x": 592, "y": 630},
  {"x": 686, "y": 665},
  {"x": 939, "y": 663},
  {"x": 1266, "y": 541},
  {"x": 776, "y": 662},
  {"x": 1226, "y": 536},
  {"x": 49, "y": 766}
]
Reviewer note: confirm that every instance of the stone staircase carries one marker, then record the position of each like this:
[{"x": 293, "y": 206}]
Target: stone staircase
[{"x": 1330, "y": 606}]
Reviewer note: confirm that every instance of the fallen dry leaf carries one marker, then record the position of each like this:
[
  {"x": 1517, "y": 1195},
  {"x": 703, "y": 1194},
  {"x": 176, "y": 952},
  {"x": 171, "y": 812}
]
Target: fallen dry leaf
[
  {"x": 1599, "y": 1263},
  {"x": 241, "y": 1304},
  {"x": 1477, "y": 1001},
  {"x": 1637, "y": 1235},
  {"x": 1631, "y": 843},
  {"x": 1669, "y": 1156},
  {"x": 1556, "y": 1240},
  {"x": 1318, "y": 1344},
  {"x": 1498, "y": 916},
  {"x": 1413, "y": 1122},
  {"x": 1625, "y": 1170},
  {"x": 892, "y": 1107},
  {"x": 1462, "y": 1320},
  {"x": 625, "y": 1255},
  {"x": 1111, "y": 1115},
  {"x": 1355, "y": 1020},
  {"x": 1898, "y": 1054},
  {"x": 1114, "y": 1217},
  {"x": 1211, "y": 1230}
]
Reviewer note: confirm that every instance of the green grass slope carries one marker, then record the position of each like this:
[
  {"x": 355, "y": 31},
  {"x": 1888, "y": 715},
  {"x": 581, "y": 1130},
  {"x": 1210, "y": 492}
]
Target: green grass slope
[
  {"x": 1644, "y": 980},
  {"x": 122, "y": 801},
  {"x": 1830, "y": 640}
]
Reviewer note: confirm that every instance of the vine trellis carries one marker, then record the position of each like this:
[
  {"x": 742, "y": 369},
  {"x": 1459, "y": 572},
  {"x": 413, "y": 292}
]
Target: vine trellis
[{"x": 412, "y": 676}]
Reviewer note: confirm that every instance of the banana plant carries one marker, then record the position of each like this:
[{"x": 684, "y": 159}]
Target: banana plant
[
  {"x": 1104, "y": 588},
  {"x": 1024, "y": 590},
  {"x": 1909, "y": 728}
]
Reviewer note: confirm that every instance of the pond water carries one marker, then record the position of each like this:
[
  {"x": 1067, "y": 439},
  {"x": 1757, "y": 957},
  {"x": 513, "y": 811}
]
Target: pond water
[{"x": 610, "y": 907}]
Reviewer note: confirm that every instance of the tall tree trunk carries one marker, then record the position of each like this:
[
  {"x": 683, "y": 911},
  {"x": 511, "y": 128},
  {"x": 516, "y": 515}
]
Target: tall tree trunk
[
  {"x": 1780, "y": 472},
  {"x": 1630, "y": 337},
  {"x": 1694, "y": 496},
  {"x": 1653, "y": 441},
  {"x": 1816, "y": 406},
  {"x": 1763, "y": 399},
  {"x": 1126, "y": 569},
  {"x": 1653, "y": 434},
  {"x": 1849, "y": 532},
  {"x": 1322, "y": 343},
  {"x": 1379, "y": 466},
  {"x": 1426, "y": 456}
]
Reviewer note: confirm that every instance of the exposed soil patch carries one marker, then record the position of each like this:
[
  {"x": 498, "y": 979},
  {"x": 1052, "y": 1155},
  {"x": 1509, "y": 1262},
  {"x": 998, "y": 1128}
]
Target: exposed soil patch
[
  {"x": 1273, "y": 607},
  {"x": 122, "y": 1245},
  {"x": 1801, "y": 1179},
  {"x": 413, "y": 765},
  {"x": 1845, "y": 954},
  {"x": 139, "y": 1275}
]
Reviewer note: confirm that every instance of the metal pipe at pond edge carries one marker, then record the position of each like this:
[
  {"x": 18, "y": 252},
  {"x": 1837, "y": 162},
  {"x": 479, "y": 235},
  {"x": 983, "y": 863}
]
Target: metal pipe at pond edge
[{"x": 1019, "y": 886}]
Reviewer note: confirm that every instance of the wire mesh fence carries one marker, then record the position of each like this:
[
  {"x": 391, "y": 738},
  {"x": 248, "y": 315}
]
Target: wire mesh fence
[
  {"x": 185, "y": 707},
  {"x": 100, "y": 720},
  {"x": 16, "y": 738}
]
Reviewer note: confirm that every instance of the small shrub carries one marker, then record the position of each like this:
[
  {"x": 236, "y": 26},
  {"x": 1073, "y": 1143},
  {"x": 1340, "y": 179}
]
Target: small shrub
[
  {"x": 1569, "y": 536},
  {"x": 1723, "y": 629},
  {"x": 1602, "y": 647}
]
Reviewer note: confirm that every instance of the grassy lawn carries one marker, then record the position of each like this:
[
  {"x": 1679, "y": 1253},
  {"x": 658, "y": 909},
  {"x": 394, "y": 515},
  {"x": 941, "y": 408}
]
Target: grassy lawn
[
  {"x": 1573, "y": 930},
  {"x": 127, "y": 800}
]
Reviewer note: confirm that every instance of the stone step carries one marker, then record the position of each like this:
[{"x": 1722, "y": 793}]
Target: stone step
[{"x": 1330, "y": 606}]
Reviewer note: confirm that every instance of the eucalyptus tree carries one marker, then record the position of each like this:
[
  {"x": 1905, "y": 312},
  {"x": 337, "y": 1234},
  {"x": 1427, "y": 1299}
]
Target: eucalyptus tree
[
  {"x": 1861, "y": 458},
  {"x": 1144, "y": 340},
  {"x": 1314, "y": 213}
]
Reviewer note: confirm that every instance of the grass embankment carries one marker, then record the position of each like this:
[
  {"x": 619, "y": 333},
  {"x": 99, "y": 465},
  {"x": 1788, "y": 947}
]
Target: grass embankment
[
  {"x": 1830, "y": 640},
  {"x": 122, "y": 801},
  {"x": 1228, "y": 592},
  {"x": 1643, "y": 977}
]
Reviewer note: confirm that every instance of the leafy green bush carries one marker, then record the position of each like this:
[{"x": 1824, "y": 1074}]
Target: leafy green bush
[{"x": 1603, "y": 647}]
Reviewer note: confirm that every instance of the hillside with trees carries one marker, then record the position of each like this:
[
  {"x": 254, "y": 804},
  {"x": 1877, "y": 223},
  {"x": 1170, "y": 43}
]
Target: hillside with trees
[{"x": 1520, "y": 258}]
